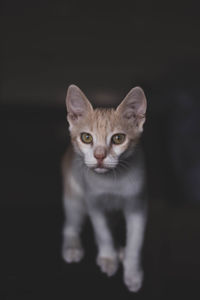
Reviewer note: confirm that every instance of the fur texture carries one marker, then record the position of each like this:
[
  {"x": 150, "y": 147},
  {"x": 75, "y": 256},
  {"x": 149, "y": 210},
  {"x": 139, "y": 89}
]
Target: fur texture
[{"x": 104, "y": 175}]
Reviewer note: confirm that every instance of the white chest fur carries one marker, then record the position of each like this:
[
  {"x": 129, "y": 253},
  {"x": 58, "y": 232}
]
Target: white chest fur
[{"x": 125, "y": 185}]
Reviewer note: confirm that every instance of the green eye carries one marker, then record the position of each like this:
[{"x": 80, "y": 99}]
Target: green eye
[
  {"x": 86, "y": 138},
  {"x": 118, "y": 138}
]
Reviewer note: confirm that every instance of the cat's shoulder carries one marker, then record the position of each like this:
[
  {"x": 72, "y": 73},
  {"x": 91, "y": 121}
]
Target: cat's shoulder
[{"x": 67, "y": 158}]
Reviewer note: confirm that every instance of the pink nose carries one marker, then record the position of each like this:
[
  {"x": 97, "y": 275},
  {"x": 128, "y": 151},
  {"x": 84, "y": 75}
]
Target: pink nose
[{"x": 100, "y": 153}]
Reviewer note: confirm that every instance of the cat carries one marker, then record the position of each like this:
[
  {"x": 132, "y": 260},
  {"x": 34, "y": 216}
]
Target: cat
[{"x": 104, "y": 171}]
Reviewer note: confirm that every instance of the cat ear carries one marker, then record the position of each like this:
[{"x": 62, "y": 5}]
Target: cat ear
[
  {"x": 133, "y": 107},
  {"x": 77, "y": 104}
]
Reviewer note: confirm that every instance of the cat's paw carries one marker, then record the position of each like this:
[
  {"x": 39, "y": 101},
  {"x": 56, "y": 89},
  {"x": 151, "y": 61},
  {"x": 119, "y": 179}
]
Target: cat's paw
[
  {"x": 108, "y": 265},
  {"x": 73, "y": 254},
  {"x": 133, "y": 280},
  {"x": 72, "y": 250}
]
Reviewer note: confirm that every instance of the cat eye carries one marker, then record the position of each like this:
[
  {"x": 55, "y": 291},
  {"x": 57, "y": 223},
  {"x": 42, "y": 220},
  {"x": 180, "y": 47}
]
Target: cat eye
[
  {"x": 86, "y": 138},
  {"x": 118, "y": 138}
]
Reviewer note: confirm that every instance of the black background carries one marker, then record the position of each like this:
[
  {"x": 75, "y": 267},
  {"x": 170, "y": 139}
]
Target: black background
[{"x": 106, "y": 49}]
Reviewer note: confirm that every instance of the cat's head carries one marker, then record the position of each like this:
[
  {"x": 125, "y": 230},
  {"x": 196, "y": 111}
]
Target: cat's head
[{"x": 104, "y": 136}]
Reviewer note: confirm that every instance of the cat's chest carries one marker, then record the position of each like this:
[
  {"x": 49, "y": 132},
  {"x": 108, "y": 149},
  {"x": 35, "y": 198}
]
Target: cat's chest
[{"x": 125, "y": 186}]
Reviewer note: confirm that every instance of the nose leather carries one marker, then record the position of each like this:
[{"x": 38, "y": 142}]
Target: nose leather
[{"x": 100, "y": 153}]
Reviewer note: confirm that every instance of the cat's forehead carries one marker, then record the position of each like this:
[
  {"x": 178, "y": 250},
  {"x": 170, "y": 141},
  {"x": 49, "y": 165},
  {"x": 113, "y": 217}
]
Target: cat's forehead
[{"x": 104, "y": 120}]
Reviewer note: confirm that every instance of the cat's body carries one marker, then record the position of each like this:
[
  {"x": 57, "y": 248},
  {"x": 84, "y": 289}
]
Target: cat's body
[{"x": 103, "y": 172}]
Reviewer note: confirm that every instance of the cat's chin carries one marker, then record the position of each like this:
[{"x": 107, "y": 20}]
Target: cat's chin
[{"x": 101, "y": 170}]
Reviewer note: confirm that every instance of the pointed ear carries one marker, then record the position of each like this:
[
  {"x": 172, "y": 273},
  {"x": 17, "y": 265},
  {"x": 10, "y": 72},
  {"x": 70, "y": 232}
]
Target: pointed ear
[
  {"x": 78, "y": 106},
  {"x": 133, "y": 107}
]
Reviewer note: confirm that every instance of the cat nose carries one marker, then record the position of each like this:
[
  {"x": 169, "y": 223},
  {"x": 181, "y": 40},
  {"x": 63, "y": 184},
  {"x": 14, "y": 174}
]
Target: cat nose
[{"x": 100, "y": 153}]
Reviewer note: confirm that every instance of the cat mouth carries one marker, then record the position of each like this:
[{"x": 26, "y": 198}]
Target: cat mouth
[{"x": 101, "y": 168}]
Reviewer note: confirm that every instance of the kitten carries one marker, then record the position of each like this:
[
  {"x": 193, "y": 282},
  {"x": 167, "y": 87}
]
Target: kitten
[{"x": 104, "y": 171}]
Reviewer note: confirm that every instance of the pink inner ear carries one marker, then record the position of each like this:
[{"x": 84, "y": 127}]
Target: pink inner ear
[
  {"x": 72, "y": 116},
  {"x": 77, "y": 103},
  {"x": 129, "y": 114},
  {"x": 76, "y": 109},
  {"x": 134, "y": 104}
]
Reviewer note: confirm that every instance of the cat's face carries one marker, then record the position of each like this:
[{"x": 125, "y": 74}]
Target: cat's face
[{"x": 104, "y": 136}]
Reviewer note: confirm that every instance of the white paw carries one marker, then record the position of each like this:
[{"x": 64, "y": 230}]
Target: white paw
[
  {"x": 73, "y": 254},
  {"x": 107, "y": 265},
  {"x": 133, "y": 280}
]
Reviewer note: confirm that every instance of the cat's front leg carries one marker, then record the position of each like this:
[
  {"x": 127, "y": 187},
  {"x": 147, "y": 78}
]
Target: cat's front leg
[
  {"x": 72, "y": 250},
  {"x": 107, "y": 258},
  {"x": 133, "y": 272}
]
